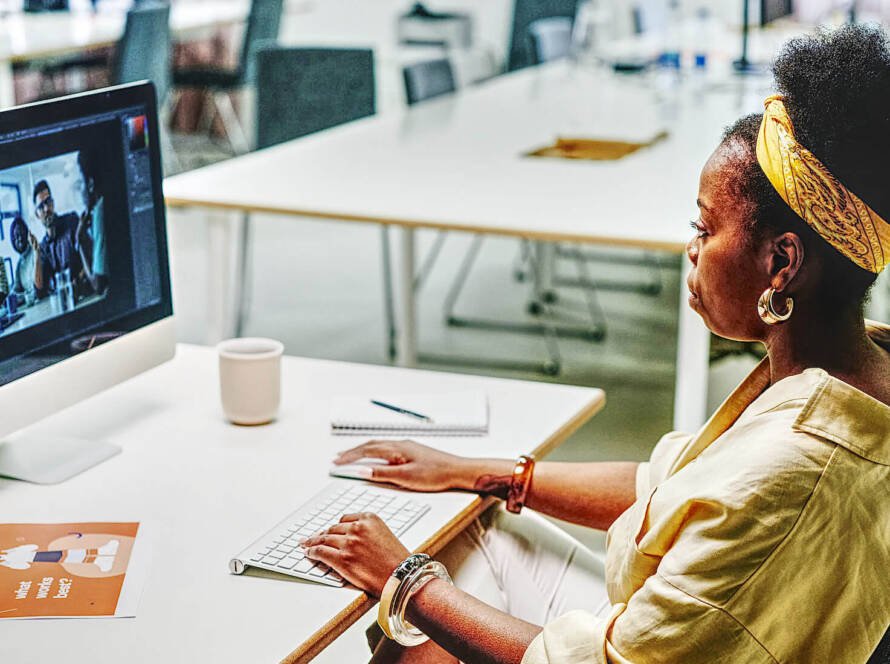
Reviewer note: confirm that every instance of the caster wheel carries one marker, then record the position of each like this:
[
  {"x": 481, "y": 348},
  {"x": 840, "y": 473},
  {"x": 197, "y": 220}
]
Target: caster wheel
[
  {"x": 549, "y": 297},
  {"x": 519, "y": 276},
  {"x": 595, "y": 335},
  {"x": 535, "y": 308},
  {"x": 551, "y": 368},
  {"x": 652, "y": 289}
]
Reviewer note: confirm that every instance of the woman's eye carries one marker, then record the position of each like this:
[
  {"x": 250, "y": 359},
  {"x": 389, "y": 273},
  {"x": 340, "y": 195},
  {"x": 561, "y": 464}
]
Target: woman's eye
[{"x": 698, "y": 228}]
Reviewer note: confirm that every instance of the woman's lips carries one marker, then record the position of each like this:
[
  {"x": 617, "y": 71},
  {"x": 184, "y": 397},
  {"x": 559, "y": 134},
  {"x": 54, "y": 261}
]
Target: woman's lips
[{"x": 693, "y": 296}]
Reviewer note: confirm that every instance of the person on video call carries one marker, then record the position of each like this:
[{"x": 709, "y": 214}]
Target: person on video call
[
  {"x": 66, "y": 245},
  {"x": 26, "y": 245},
  {"x": 93, "y": 217}
]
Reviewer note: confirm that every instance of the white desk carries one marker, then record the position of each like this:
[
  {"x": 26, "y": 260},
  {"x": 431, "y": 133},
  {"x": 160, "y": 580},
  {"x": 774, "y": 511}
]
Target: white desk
[
  {"x": 25, "y": 37},
  {"x": 456, "y": 163},
  {"x": 212, "y": 488}
]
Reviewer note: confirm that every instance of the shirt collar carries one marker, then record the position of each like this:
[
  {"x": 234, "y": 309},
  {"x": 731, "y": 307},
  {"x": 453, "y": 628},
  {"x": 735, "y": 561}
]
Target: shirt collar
[{"x": 832, "y": 409}]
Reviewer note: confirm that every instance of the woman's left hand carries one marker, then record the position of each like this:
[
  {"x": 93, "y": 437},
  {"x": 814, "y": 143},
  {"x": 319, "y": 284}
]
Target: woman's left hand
[{"x": 361, "y": 548}]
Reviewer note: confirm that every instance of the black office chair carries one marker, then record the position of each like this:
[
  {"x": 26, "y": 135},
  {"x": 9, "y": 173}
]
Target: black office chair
[
  {"x": 300, "y": 91},
  {"x": 526, "y": 12},
  {"x": 303, "y": 90},
  {"x": 427, "y": 80},
  {"x": 263, "y": 25},
  {"x": 143, "y": 54}
]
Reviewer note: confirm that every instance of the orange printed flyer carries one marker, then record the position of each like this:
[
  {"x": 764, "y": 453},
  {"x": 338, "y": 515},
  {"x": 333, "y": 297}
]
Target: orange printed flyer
[{"x": 71, "y": 570}]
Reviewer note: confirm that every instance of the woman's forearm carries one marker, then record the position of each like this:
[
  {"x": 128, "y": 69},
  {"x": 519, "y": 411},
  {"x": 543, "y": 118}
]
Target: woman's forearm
[
  {"x": 590, "y": 494},
  {"x": 468, "y": 628}
]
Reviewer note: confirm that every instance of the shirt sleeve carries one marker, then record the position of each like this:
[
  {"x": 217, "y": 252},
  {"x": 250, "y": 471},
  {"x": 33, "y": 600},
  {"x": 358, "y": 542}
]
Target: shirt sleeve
[
  {"x": 653, "y": 472},
  {"x": 660, "y": 623}
]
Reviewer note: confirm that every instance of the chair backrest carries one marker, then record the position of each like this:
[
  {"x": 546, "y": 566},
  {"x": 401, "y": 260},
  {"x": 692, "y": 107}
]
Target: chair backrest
[
  {"x": 263, "y": 25},
  {"x": 143, "y": 52},
  {"x": 303, "y": 90},
  {"x": 425, "y": 80},
  {"x": 550, "y": 39},
  {"x": 526, "y": 12},
  {"x": 881, "y": 655}
]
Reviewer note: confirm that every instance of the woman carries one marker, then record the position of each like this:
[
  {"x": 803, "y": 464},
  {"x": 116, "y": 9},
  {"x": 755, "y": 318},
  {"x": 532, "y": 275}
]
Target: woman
[{"x": 766, "y": 536}]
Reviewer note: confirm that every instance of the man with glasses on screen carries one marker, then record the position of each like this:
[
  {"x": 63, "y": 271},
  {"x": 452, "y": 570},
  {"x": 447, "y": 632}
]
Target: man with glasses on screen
[{"x": 66, "y": 246}]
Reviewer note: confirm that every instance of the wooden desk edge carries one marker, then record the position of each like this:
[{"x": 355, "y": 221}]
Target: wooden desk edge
[
  {"x": 316, "y": 643},
  {"x": 545, "y": 236}
]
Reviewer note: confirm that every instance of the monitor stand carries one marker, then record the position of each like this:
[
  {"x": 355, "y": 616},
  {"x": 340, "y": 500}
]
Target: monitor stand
[{"x": 51, "y": 459}]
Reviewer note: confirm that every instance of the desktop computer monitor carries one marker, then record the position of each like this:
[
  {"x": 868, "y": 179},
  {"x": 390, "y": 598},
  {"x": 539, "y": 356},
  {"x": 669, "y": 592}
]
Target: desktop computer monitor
[{"x": 85, "y": 297}]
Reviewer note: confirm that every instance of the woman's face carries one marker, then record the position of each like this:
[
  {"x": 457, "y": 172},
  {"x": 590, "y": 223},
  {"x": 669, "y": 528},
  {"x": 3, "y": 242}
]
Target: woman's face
[
  {"x": 728, "y": 268},
  {"x": 19, "y": 238}
]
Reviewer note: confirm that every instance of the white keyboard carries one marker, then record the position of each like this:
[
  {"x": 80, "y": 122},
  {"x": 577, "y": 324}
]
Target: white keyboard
[{"x": 279, "y": 549}]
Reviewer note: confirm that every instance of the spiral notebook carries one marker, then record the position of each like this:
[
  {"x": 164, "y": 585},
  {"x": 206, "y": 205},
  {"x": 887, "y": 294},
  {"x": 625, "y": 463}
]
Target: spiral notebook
[{"x": 451, "y": 414}]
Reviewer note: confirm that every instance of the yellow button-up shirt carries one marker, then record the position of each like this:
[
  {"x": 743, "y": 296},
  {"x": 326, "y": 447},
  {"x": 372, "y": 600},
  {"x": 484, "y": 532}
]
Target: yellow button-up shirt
[{"x": 763, "y": 538}]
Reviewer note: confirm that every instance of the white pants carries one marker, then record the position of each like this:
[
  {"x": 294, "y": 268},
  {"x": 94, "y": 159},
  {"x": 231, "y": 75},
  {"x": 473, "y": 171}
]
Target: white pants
[{"x": 526, "y": 566}]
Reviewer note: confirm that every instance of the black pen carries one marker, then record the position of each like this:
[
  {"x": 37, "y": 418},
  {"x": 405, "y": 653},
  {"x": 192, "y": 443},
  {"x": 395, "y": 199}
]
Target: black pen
[{"x": 404, "y": 411}]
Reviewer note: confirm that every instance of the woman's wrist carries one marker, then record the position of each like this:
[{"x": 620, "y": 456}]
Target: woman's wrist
[
  {"x": 490, "y": 477},
  {"x": 418, "y": 609}
]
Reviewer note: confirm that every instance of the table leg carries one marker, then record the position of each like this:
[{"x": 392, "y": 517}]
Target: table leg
[
  {"x": 693, "y": 347},
  {"x": 225, "y": 274},
  {"x": 406, "y": 313},
  {"x": 545, "y": 254},
  {"x": 7, "y": 85}
]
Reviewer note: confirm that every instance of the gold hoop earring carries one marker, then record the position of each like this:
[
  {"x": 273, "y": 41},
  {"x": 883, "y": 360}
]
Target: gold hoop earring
[{"x": 767, "y": 310}]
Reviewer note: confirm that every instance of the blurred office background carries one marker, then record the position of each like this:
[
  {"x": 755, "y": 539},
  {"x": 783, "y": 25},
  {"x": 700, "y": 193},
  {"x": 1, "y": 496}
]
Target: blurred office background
[{"x": 225, "y": 72}]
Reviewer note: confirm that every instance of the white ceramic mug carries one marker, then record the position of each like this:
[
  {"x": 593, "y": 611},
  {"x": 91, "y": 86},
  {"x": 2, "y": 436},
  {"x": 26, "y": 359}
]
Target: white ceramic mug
[{"x": 250, "y": 379}]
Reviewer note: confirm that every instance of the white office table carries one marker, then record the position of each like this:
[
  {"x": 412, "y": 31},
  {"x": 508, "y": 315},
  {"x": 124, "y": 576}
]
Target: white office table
[
  {"x": 210, "y": 488},
  {"x": 457, "y": 163}
]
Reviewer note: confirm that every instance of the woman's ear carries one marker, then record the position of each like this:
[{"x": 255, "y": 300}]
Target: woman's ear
[{"x": 786, "y": 254}]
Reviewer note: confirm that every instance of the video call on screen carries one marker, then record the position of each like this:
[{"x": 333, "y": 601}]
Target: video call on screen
[{"x": 78, "y": 243}]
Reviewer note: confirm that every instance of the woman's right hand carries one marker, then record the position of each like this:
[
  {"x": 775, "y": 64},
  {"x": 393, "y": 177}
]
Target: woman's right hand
[{"x": 414, "y": 466}]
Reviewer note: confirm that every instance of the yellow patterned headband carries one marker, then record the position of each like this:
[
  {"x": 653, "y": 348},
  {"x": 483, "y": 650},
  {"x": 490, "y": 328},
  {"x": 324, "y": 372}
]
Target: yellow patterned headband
[{"x": 832, "y": 210}]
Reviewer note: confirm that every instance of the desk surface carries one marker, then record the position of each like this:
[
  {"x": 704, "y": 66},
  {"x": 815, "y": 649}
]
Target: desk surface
[
  {"x": 210, "y": 488},
  {"x": 457, "y": 163}
]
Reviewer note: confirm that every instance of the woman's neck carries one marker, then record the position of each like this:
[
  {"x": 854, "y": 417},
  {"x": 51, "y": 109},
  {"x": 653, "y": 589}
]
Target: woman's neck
[{"x": 838, "y": 344}]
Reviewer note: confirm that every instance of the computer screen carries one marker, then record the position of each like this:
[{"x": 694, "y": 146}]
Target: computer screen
[
  {"x": 772, "y": 10},
  {"x": 82, "y": 239}
]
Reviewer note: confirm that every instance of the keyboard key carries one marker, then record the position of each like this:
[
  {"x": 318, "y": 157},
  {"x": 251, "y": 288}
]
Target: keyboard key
[
  {"x": 304, "y": 565},
  {"x": 319, "y": 570},
  {"x": 287, "y": 563}
]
